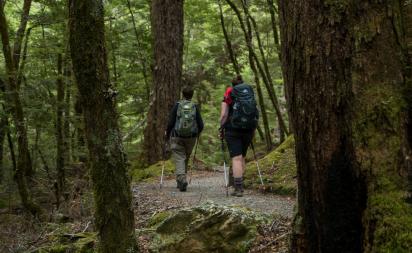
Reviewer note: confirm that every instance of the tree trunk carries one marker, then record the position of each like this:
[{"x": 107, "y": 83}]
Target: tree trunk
[
  {"x": 142, "y": 58},
  {"x": 24, "y": 167},
  {"x": 260, "y": 132},
  {"x": 268, "y": 138},
  {"x": 407, "y": 15},
  {"x": 20, "y": 74},
  {"x": 67, "y": 108},
  {"x": 113, "y": 51},
  {"x": 228, "y": 42},
  {"x": 318, "y": 80},
  {"x": 113, "y": 199},
  {"x": 3, "y": 130},
  {"x": 79, "y": 139},
  {"x": 167, "y": 28},
  {"x": 274, "y": 25},
  {"x": 382, "y": 96},
  {"x": 343, "y": 70},
  {"x": 60, "y": 163}
]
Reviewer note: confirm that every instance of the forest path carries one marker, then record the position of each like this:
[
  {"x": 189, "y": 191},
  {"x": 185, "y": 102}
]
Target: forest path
[{"x": 204, "y": 187}]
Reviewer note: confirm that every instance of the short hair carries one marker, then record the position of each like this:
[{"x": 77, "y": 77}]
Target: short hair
[{"x": 187, "y": 92}]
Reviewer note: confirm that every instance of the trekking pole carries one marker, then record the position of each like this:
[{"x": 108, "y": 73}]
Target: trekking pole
[
  {"x": 164, "y": 163},
  {"x": 194, "y": 160},
  {"x": 224, "y": 168},
  {"x": 257, "y": 163}
]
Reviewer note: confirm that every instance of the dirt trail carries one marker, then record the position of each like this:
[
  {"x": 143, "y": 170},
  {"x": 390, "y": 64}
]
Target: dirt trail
[{"x": 205, "y": 186}]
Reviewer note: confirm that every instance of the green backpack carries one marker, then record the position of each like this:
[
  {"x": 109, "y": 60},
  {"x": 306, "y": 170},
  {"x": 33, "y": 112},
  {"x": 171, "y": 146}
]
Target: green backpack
[{"x": 186, "y": 125}]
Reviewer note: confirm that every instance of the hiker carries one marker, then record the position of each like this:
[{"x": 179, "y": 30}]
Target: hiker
[
  {"x": 238, "y": 121},
  {"x": 185, "y": 125}
]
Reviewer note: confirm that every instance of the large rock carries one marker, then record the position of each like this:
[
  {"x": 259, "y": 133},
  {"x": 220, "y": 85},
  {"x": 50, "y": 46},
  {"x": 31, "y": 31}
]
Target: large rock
[{"x": 206, "y": 228}]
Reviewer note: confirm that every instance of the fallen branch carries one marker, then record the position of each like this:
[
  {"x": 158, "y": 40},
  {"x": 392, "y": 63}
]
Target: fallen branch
[{"x": 271, "y": 243}]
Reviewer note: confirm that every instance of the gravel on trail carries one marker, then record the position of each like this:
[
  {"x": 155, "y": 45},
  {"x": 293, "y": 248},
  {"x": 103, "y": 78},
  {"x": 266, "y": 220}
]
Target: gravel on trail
[{"x": 210, "y": 187}]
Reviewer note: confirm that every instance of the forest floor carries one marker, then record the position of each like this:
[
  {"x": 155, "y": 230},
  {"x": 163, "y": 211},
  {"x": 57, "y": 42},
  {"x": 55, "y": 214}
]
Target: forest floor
[
  {"x": 208, "y": 186},
  {"x": 20, "y": 233}
]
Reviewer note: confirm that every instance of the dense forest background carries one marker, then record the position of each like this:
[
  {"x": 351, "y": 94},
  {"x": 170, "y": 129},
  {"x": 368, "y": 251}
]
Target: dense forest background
[
  {"x": 82, "y": 82},
  {"x": 207, "y": 67}
]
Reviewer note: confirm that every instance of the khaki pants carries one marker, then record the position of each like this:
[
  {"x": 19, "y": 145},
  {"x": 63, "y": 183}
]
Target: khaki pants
[{"x": 181, "y": 150}]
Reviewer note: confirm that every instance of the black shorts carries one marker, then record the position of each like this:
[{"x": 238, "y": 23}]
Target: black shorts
[{"x": 238, "y": 141}]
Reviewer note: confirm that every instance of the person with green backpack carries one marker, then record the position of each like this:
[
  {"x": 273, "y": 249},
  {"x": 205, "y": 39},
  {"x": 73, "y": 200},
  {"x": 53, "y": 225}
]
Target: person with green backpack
[
  {"x": 185, "y": 125},
  {"x": 238, "y": 121}
]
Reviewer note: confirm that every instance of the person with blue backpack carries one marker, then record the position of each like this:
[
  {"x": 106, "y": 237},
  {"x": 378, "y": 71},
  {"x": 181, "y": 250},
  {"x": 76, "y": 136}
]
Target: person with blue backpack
[
  {"x": 184, "y": 127},
  {"x": 238, "y": 121}
]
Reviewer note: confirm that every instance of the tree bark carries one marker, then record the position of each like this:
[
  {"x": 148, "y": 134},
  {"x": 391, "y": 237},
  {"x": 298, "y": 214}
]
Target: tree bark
[
  {"x": 3, "y": 130},
  {"x": 108, "y": 164},
  {"x": 228, "y": 42},
  {"x": 167, "y": 28},
  {"x": 344, "y": 82},
  {"x": 20, "y": 33},
  {"x": 20, "y": 74},
  {"x": 24, "y": 166},
  {"x": 67, "y": 107},
  {"x": 60, "y": 155},
  {"x": 382, "y": 95},
  {"x": 407, "y": 15},
  {"x": 274, "y": 25},
  {"x": 318, "y": 80},
  {"x": 113, "y": 51}
]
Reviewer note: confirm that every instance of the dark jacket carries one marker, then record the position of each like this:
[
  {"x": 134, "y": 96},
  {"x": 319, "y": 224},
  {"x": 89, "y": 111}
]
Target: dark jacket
[{"x": 172, "y": 121}]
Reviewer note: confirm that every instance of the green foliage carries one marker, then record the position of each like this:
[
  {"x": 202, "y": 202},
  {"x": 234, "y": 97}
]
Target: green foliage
[
  {"x": 77, "y": 243},
  {"x": 280, "y": 178},
  {"x": 153, "y": 172}
]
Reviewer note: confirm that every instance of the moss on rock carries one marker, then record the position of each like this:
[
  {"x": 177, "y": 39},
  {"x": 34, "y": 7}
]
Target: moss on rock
[
  {"x": 206, "y": 228},
  {"x": 76, "y": 243},
  {"x": 279, "y": 178}
]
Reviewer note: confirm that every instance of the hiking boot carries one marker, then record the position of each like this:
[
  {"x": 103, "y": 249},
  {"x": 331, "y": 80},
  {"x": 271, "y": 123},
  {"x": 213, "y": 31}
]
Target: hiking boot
[
  {"x": 181, "y": 183},
  {"x": 237, "y": 193},
  {"x": 183, "y": 187},
  {"x": 238, "y": 185}
]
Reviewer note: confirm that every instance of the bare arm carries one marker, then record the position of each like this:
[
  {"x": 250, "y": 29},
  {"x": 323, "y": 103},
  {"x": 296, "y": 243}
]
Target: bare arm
[{"x": 224, "y": 112}]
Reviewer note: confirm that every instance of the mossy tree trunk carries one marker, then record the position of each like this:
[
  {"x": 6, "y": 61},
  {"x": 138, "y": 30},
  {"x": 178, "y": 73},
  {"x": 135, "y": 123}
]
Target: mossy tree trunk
[
  {"x": 60, "y": 155},
  {"x": 343, "y": 64},
  {"x": 167, "y": 29},
  {"x": 68, "y": 80},
  {"x": 407, "y": 15},
  {"x": 113, "y": 199},
  {"x": 382, "y": 96},
  {"x": 14, "y": 104},
  {"x": 3, "y": 129}
]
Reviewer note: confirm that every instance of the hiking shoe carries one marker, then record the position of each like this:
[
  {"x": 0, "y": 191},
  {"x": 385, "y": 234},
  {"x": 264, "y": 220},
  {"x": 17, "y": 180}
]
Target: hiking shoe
[
  {"x": 183, "y": 187},
  {"x": 237, "y": 193}
]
